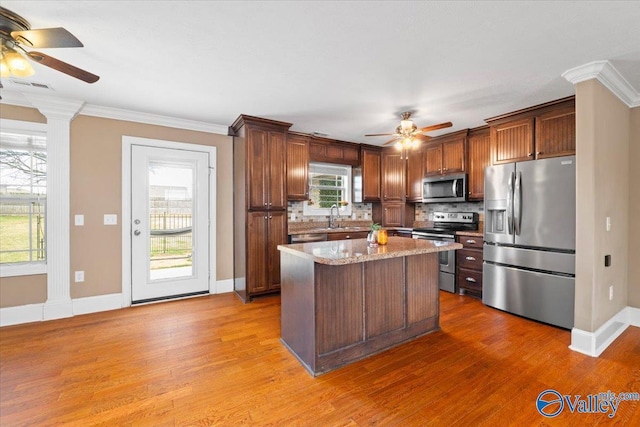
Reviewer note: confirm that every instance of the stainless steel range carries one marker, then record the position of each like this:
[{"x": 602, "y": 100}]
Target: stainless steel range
[{"x": 444, "y": 228}]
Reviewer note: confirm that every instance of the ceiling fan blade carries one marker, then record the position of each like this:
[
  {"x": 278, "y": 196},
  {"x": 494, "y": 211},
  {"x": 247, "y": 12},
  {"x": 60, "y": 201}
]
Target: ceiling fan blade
[
  {"x": 379, "y": 134},
  {"x": 390, "y": 141},
  {"x": 63, "y": 67},
  {"x": 46, "y": 37},
  {"x": 421, "y": 137},
  {"x": 436, "y": 127}
]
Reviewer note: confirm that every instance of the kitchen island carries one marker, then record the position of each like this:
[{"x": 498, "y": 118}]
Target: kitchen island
[{"x": 342, "y": 301}]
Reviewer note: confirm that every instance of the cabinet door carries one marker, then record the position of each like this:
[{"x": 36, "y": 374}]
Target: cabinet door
[
  {"x": 393, "y": 215},
  {"x": 556, "y": 133},
  {"x": 371, "y": 165},
  {"x": 297, "y": 168},
  {"x": 512, "y": 141},
  {"x": 277, "y": 235},
  {"x": 257, "y": 169},
  {"x": 453, "y": 156},
  {"x": 479, "y": 157},
  {"x": 415, "y": 173},
  {"x": 433, "y": 160},
  {"x": 276, "y": 167},
  {"x": 393, "y": 183},
  {"x": 257, "y": 262}
]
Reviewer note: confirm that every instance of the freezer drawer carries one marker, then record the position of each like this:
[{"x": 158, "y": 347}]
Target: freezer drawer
[
  {"x": 539, "y": 296},
  {"x": 557, "y": 262}
]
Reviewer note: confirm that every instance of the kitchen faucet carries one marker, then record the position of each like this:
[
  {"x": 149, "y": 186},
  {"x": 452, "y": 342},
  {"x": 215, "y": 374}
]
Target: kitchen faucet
[{"x": 332, "y": 219}]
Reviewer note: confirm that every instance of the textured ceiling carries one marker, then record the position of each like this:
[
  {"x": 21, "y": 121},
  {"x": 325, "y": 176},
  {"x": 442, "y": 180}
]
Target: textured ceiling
[{"x": 340, "y": 68}]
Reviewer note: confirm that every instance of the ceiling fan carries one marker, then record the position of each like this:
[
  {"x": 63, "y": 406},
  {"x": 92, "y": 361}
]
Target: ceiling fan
[
  {"x": 16, "y": 34},
  {"x": 408, "y": 135}
]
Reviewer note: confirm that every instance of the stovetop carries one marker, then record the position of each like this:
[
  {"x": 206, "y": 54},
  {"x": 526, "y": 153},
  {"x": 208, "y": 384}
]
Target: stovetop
[{"x": 450, "y": 222}]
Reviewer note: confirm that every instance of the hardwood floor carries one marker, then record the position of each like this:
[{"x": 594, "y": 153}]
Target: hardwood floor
[{"x": 215, "y": 361}]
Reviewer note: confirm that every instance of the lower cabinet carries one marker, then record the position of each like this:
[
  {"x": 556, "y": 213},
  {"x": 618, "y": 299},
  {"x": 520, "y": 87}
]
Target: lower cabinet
[
  {"x": 265, "y": 231},
  {"x": 346, "y": 236},
  {"x": 469, "y": 265}
]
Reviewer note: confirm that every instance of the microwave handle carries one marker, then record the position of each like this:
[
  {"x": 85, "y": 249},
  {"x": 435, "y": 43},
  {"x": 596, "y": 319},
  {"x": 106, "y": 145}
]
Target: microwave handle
[{"x": 454, "y": 187}]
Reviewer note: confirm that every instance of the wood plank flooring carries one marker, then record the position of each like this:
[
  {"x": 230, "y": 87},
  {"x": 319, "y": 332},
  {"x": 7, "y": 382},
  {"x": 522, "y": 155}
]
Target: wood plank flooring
[{"x": 213, "y": 361}]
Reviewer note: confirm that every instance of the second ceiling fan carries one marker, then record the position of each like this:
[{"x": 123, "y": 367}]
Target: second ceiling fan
[{"x": 407, "y": 134}]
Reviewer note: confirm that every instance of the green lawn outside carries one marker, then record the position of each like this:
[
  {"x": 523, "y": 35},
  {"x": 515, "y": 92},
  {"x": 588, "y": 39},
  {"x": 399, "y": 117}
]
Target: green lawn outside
[{"x": 14, "y": 235}]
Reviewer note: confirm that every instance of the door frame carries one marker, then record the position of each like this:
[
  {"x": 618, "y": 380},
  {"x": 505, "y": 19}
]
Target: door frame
[{"x": 127, "y": 143}]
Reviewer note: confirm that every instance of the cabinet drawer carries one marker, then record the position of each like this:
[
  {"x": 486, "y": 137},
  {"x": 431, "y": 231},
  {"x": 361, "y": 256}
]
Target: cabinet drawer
[
  {"x": 470, "y": 279},
  {"x": 345, "y": 236},
  {"x": 470, "y": 242},
  {"x": 469, "y": 258}
]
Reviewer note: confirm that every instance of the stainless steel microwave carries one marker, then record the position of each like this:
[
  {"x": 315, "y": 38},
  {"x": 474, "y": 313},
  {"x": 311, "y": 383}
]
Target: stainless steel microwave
[{"x": 447, "y": 188}]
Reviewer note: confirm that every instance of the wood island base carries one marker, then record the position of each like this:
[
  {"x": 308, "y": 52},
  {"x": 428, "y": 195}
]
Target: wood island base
[{"x": 333, "y": 315}]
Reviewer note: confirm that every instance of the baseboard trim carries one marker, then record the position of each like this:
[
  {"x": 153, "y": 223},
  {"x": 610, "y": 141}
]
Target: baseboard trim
[
  {"x": 39, "y": 312},
  {"x": 21, "y": 314},
  {"x": 96, "y": 304},
  {"x": 594, "y": 343},
  {"x": 223, "y": 286}
]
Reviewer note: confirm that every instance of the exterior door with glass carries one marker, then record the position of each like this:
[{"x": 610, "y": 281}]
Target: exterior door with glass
[{"x": 169, "y": 223}]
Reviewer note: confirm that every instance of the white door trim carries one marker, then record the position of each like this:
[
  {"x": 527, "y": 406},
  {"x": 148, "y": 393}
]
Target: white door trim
[{"x": 127, "y": 142}]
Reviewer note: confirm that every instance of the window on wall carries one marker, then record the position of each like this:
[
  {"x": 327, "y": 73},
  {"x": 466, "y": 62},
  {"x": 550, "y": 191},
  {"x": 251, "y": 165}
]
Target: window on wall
[
  {"x": 23, "y": 195},
  {"x": 329, "y": 185}
]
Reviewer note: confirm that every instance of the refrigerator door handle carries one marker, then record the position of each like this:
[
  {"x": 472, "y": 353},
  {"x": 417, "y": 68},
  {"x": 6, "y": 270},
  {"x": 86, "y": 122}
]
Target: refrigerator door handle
[
  {"x": 517, "y": 202},
  {"x": 510, "y": 204}
]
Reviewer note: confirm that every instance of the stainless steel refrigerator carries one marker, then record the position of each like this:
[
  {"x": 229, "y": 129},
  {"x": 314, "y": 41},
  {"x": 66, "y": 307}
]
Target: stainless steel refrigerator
[{"x": 529, "y": 239}]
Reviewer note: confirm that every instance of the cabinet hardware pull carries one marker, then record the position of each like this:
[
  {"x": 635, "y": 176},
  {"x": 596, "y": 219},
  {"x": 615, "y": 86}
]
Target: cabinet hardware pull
[
  {"x": 470, "y": 279},
  {"x": 530, "y": 155},
  {"x": 270, "y": 216},
  {"x": 469, "y": 192},
  {"x": 471, "y": 241},
  {"x": 265, "y": 204},
  {"x": 538, "y": 153},
  {"x": 265, "y": 217},
  {"x": 470, "y": 258}
]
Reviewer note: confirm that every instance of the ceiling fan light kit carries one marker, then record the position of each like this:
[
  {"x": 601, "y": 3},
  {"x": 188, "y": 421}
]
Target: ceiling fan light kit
[
  {"x": 16, "y": 32},
  {"x": 407, "y": 135}
]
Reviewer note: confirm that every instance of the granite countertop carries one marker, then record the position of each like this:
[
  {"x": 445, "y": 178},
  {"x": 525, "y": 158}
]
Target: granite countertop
[
  {"x": 476, "y": 233},
  {"x": 321, "y": 227},
  {"x": 341, "y": 252}
]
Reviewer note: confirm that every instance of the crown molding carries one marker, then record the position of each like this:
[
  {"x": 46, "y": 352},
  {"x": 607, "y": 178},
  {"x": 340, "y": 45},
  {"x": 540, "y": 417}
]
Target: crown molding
[
  {"x": 609, "y": 76},
  {"x": 24, "y": 100},
  {"x": 153, "y": 119}
]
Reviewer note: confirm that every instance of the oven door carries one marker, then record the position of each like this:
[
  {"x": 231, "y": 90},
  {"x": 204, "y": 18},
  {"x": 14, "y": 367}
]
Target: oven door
[{"x": 447, "y": 258}]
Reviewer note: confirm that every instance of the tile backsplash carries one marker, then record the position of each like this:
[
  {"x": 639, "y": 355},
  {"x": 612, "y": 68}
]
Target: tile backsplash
[
  {"x": 362, "y": 212},
  {"x": 424, "y": 211}
]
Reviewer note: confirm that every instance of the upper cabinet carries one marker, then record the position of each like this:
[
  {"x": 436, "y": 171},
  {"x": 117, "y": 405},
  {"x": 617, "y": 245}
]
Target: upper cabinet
[
  {"x": 297, "y": 167},
  {"x": 479, "y": 157},
  {"x": 393, "y": 177},
  {"x": 262, "y": 143},
  {"x": 371, "y": 159},
  {"x": 329, "y": 151},
  {"x": 546, "y": 130},
  {"x": 415, "y": 173},
  {"x": 446, "y": 154}
]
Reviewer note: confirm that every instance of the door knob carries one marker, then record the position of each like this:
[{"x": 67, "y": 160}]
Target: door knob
[{"x": 136, "y": 233}]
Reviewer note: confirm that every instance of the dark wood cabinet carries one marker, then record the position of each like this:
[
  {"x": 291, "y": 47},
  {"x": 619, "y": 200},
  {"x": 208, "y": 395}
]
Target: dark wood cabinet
[
  {"x": 268, "y": 229},
  {"x": 371, "y": 159},
  {"x": 556, "y": 133},
  {"x": 446, "y": 154},
  {"x": 259, "y": 204},
  {"x": 541, "y": 131},
  {"x": 393, "y": 177},
  {"x": 415, "y": 173},
  {"x": 512, "y": 141},
  {"x": 331, "y": 151},
  {"x": 297, "y": 167},
  {"x": 479, "y": 157},
  {"x": 347, "y": 235},
  {"x": 469, "y": 265},
  {"x": 395, "y": 214},
  {"x": 266, "y": 167}
]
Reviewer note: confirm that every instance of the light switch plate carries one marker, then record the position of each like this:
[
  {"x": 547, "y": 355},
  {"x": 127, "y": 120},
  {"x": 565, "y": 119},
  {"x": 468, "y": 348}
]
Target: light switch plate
[
  {"x": 110, "y": 219},
  {"x": 79, "y": 276},
  {"x": 79, "y": 220}
]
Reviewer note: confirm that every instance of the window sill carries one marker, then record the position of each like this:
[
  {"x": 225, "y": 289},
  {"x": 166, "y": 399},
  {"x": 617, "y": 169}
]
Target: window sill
[{"x": 26, "y": 269}]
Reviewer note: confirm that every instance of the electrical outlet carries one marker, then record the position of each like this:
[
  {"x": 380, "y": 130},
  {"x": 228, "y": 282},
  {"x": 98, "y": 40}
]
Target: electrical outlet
[
  {"x": 366, "y": 215},
  {"x": 110, "y": 219},
  {"x": 608, "y": 223},
  {"x": 610, "y": 293},
  {"x": 79, "y": 276},
  {"x": 79, "y": 220},
  {"x": 293, "y": 217}
]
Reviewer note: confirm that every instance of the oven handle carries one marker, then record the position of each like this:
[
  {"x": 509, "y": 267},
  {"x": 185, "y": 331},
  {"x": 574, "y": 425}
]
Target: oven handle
[{"x": 432, "y": 236}]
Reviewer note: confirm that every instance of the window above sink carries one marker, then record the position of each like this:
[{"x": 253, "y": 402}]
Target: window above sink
[{"x": 329, "y": 184}]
